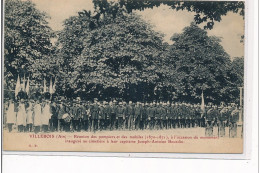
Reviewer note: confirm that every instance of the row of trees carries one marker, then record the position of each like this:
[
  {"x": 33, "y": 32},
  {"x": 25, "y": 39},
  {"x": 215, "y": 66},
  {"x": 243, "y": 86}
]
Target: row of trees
[{"x": 113, "y": 53}]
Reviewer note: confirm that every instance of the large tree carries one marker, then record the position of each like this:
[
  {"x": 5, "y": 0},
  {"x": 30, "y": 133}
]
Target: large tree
[
  {"x": 236, "y": 79},
  {"x": 27, "y": 42},
  {"x": 117, "y": 55},
  {"x": 201, "y": 64}
]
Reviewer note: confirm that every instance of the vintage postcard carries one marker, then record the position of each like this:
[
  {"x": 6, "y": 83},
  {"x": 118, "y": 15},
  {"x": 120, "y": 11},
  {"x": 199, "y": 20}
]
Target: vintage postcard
[{"x": 123, "y": 76}]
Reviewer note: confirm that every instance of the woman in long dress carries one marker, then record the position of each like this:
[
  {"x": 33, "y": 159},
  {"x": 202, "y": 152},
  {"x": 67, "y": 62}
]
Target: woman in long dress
[
  {"x": 29, "y": 118},
  {"x": 21, "y": 116},
  {"x": 46, "y": 115},
  {"x": 37, "y": 111},
  {"x": 10, "y": 116}
]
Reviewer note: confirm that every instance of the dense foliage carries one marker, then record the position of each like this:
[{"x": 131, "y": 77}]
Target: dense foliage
[
  {"x": 206, "y": 11},
  {"x": 113, "y": 53},
  {"x": 27, "y": 43}
]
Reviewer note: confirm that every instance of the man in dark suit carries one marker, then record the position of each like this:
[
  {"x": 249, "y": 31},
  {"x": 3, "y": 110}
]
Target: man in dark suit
[
  {"x": 95, "y": 115},
  {"x": 137, "y": 114},
  {"x": 150, "y": 115},
  {"x": 108, "y": 112},
  {"x": 102, "y": 116},
  {"x": 120, "y": 115}
]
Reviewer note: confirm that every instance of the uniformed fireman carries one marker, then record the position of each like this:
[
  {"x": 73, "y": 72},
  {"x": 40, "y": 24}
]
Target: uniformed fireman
[
  {"x": 137, "y": 113},
  {"x": 164, "y": 115},
  {"x": 233, "y": 119},
  {"x": 95, "y": 115},
  {"x": 113, "y": 115},
  {"x": 102, "y": 116},
  {"x": 85, "y": 115},
  {"x": 120, "y": 116}
]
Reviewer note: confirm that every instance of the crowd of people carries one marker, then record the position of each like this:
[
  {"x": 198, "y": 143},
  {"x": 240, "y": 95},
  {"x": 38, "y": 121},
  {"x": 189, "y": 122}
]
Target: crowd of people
[{"x": 49, "y": 113}]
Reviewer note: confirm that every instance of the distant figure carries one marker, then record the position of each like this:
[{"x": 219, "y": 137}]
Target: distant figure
[
  {"x": 233, "y": 119},
  {"x": 37, "y": 116},
  {"x": 46, "y": 115},
  {"x": 29, "y": 117},
  {"x": 21, "y": 116},
  {"x": 10, "y": 116}
]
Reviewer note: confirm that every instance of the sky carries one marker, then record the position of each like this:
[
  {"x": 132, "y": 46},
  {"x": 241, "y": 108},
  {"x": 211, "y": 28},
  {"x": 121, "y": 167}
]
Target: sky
[{"x": 164, "y": 20}]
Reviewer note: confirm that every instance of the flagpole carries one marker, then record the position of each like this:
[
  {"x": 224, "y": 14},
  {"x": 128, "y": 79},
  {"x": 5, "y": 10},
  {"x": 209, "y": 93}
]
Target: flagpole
[
  {"x": 51, "y": 89},
  {"x": 17, "y": 87},
  {"x": 240, "y": 123},
  {"x": 202, "y": 104},
  {"x": 240, "y": 103}
]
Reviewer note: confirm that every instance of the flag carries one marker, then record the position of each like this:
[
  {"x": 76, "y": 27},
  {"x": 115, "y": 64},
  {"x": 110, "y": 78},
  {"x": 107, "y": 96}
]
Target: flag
[
  {"x": 202, "y": 103},
  {"x": 18, "y": 86},
  {"x": 54, "y": 86},
  {"x": 44, "y": 86},
  {"x": 51, "y": 90},
  {"x": 154, "y": 91},
  {"x": 27, "y": 86},
  {"x": 23, "y": 84}
]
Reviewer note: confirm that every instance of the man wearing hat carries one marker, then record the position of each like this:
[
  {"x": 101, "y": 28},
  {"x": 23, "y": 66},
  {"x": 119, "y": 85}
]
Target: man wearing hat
[
  {"x": 102, "y": 115},
  {"x": 187, "y": 115},
  {"x": 157, "y": 116},
  {"x": 197, "y": 112},
  {"x": 142, "y": 116},
  {"x": 182, "y": 114},
  {"x": 233, "y": 119},
  {"x": 90, "y": 118},
  {"x": 67, "y": 117},
  {"x": 150, "y": 116},
  {"x": 73, "y": 114},
  {"x": 76, "y": 112},
  {"x": 131, "y": 115},
  {"x": 120, "y": 115},
  {"x": 85, "y": 115},
  {"x": 164, "y": 117},
  {"x": 192, "y": 115},
  {"x": 107, "y": 111},
  {"x": 178, "y": 114},
  {"x": 174, "y": 114},
  {"x": 223, "y": 119},
  {"x": 137, "y": 114},
  {"x": 169, "y": 117},
  {"x": 209, "y": 119},
  {"x": 94, "y": 114},
  {"x": 145, "y": 115},
  {"x": 127, "y": 115},
  {"x": 113, "y": 115}
]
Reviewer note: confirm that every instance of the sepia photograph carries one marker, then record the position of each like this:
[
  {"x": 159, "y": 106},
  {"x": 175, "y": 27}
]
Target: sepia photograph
[{"x": 123, "y": 76}]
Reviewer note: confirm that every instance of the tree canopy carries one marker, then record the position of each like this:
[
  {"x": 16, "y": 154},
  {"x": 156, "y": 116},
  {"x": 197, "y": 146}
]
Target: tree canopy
[
  {"x": 27, "y": 42},
  {"x": 120, "y": 52},
  {"x": 113, "y": 53},
  {"x": 201, "y": 64},
  {"x": 206, "y": 11}
]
